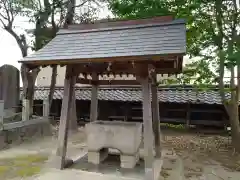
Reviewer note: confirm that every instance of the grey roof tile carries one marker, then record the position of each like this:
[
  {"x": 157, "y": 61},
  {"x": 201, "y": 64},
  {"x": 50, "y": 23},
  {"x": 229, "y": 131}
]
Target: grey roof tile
[
  {"x": 134, "y": 94},
  {"x": 163, "y": 38}
]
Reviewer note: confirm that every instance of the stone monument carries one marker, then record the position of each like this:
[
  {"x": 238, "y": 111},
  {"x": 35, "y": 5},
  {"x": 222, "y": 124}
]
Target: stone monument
[{"x": 9, "y": 88}]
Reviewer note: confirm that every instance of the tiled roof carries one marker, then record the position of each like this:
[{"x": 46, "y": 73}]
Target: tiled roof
[
  {"x": 132, "y": 40},
  {"x": 133, "y": 94}
]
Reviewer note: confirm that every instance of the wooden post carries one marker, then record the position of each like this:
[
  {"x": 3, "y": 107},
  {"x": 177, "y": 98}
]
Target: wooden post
[
  {"x": 31, "y": 103},
  {"x": 45, "y": 108},
  {"x": 73, "y": 126},
  {"x": 148, "y": 130},
  {"x": 60, "y": 161},
  {"x": 25, "y": 109},
  {"x": 126, "y": 110},
  {"x": 156, "y": 119},
  {"x": 188, "y": 116},
  {"x": 94, "y": 99},
  {"x": 1, "y": 113}
]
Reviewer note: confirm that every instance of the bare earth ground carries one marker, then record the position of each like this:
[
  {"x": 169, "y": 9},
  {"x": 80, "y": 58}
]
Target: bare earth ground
[
  {"x": 186, "y": 156},
  {"x": 200, "y": 157}
]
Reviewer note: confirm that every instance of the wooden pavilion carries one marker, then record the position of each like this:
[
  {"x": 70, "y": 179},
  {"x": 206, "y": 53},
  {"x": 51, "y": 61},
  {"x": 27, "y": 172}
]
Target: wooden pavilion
[{"x": 143, "y": 48}]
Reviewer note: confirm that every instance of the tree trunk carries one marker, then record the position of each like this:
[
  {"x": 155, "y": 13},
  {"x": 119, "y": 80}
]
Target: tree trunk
[
  {"x": 232, "y": 106},
  {"x": 70, "y": 13},
  {"x": 238, "y": 81},
  {"x": 29, "y": 79},
  {"x": 52, "y": 87},
  {"x": 234, "y": 114}
]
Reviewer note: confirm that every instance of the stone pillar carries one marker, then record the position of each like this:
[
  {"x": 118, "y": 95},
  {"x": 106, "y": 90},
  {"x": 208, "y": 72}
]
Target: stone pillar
[
  {"x": 46, "y": 108},
  {"x": 156, "y": 120},
  {"x": 148, "y": 130},
  {"x": 9, "y": 88},
  {"x": 25, "y": 109},
  {"x": 94, "y": 100},
  {"x": 60, "y": 160},
  {"x": 1, "y": 113}
]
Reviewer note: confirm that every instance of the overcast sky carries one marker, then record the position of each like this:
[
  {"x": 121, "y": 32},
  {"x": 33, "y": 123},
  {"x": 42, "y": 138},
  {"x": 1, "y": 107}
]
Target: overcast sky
[{"x": 9, "y": 51}]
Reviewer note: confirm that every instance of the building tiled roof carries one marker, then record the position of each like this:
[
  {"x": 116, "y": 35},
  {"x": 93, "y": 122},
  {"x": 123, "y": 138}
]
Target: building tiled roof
[
  {"x": 165, "y": 94},
  {"x": 132, "y": 40}
]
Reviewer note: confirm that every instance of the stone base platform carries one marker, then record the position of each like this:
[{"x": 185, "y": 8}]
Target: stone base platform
[
  {"x": 112, "y": 166},
  {"x": 127, "y": 161}
]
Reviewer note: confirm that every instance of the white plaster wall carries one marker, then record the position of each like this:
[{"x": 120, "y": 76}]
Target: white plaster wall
[{"x": 44, "y": 76}]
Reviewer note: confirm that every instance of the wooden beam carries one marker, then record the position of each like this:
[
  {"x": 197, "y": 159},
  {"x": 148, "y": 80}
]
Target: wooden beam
[
  {"x": 129, "y": 67},
  {"x": 94, "y": 99},
  {"x": 60, "y": 160},
  {"x": 156, "y": 117},
  {"x": 14, "y": 125},
  {"x": 83, "y": 81},
  {"x": 103, "y": 59},
  {"x": 148, "y": 130},
  {"x": 107, "y": 82}
]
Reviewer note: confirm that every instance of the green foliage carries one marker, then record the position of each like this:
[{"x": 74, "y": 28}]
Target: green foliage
[
  {"x": 197, "y": 73},
  {"x": 212, "y": 32},
  {"x": 187, "y": 9},
  {"x": 198, "y": 31},
  {"x": 138, "y": 9}
]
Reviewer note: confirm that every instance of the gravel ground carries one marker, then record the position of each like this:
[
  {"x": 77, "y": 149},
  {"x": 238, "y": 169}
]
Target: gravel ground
[
  {"x": 196, "y": 157},
  {"x": 203, "y": 156}
]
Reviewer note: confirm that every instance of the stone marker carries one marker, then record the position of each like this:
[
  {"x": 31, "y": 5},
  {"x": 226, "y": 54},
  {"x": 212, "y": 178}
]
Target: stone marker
[{"x": 9, "y": 88}]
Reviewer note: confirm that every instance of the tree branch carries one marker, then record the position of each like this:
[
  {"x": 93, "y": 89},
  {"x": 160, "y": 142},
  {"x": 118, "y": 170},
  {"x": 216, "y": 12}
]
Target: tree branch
[
  {"x": 7, "y": 12},
  {"x": 20, "y": 42},
  {"x": 3, "y": 17},
  {"x": 11, "y": 11},
  {"x": 206, "y": 56},
  {"x": 40, "y": 4},
  {"x": 79, "y": 5},
  {"x": 4, "y": 25}
]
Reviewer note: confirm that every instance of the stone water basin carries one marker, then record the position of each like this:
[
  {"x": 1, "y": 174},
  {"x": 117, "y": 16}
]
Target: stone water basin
[{"x": 123, "y": 136}]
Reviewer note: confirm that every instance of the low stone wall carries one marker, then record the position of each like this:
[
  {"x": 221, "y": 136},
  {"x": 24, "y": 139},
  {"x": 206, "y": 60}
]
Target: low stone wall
[{"x": 20, "y": 134}]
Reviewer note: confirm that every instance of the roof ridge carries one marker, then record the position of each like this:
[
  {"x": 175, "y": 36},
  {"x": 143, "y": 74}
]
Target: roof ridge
[
  {"x": 116, "y": 22},
  {"x": 77, "y": 31}
]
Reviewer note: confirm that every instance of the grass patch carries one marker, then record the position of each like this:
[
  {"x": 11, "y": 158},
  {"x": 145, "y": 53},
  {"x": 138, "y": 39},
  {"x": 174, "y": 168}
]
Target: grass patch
[
  {"x": 21, "y": 166},
  {"x": 4, "y": 169},
  {"x": 30, "y": 171},
  {"x": 31, "y": 158}
]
